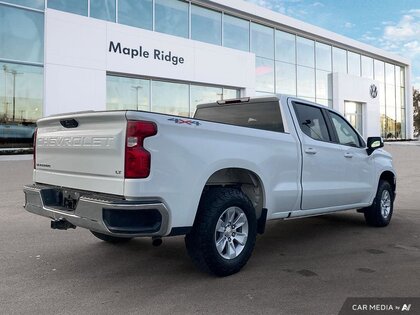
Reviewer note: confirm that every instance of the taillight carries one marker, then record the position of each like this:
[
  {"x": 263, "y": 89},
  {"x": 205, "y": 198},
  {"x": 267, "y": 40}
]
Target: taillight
[
  {"x": 35, "y": 133},
  {"x": 137, "y": 158}
]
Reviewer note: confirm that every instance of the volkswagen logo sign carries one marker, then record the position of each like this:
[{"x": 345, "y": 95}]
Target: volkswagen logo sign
[{"x": 373, "y": 91}]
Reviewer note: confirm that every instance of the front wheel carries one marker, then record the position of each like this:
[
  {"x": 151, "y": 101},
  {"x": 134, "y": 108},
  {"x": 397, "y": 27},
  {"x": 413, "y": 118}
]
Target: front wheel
[
  {"x": 379, "y": 214},
  {"x": 224, "y": 232}
]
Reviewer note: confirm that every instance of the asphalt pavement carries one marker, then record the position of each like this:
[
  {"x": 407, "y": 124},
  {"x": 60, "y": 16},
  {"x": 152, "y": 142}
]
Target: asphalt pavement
[{"x": 305, "y": 266}]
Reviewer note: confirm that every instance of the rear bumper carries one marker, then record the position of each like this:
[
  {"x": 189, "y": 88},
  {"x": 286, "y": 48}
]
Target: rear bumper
[{"x": 100, "y": 213}]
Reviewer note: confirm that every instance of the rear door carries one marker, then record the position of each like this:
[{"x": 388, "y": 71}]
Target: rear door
[{"x": 82, "y": 151}]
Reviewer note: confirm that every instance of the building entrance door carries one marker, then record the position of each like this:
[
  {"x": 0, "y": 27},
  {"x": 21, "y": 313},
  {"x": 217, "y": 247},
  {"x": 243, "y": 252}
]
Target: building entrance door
[{"x": 353, "y": 111}]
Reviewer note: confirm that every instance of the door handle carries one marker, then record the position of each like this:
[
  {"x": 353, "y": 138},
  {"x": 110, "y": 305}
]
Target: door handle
[
  {"x": 310, "y": 151},
  {"x": 348, "y": 155}
]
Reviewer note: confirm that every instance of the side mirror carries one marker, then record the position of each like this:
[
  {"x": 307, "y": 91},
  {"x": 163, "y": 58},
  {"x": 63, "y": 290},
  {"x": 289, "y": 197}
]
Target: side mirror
[{"x": 374, "y": 143}]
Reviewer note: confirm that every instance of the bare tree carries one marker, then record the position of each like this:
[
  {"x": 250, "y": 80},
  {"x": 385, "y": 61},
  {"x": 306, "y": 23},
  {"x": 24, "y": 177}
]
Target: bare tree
[{"x": 416, "y": 106}]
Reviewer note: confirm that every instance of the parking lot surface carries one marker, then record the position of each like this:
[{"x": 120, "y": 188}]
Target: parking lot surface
[{"x": 306, "y": 266}]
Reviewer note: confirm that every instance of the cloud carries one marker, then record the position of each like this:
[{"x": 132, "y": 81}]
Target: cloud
[
  {"x": 403, "y": 38},
  {"x": 348, "y": 25},
  {"x": 318, "y": 4}
]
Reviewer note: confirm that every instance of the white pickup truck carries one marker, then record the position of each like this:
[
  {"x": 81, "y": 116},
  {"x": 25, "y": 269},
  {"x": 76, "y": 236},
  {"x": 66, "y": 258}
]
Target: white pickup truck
[{"x": 216, "y": 178}]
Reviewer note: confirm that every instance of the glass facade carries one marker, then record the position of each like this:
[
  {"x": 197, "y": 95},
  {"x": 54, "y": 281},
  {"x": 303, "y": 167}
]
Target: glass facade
[
  {"x": 21, "y": 72},
  {"x": 173, "y": 98},
  {"x": 138, "y": 13},
  {"x": 285, "y": 62},
  {"x": 103, "y": 9},
  {"x": 73, "y": 6},
  {"x": 235, "y": 33},
  {"x": 206, "y": 25},
  {"x": 171, "y": 17}
]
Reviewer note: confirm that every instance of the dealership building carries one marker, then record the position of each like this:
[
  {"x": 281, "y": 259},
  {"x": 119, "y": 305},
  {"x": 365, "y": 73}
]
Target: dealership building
[{"x": 168, "y": 56}]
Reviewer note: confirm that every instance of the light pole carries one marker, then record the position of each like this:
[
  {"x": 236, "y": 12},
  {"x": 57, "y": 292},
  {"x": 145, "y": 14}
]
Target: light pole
[
  {"x": 14, "y": 73},
  {"x": 137, "y": 88}
]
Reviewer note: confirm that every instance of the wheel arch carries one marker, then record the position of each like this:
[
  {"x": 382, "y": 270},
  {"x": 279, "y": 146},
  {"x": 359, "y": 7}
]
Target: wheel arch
[
  {"x": 244, "y": 179},
  {"x": 390, "y": 177}
]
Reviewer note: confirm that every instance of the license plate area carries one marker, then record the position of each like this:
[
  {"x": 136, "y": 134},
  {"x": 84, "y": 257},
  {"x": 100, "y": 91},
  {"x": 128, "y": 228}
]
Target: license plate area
[{"x": 60, "y": 199}]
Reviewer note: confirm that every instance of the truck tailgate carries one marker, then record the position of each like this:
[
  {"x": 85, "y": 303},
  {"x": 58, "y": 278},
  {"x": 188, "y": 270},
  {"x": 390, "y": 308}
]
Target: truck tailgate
[{"x": 83, "y": 151}]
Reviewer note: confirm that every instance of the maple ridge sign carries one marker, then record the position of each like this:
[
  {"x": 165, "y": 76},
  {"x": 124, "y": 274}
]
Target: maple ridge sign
[{"x": 141, "y": 53}]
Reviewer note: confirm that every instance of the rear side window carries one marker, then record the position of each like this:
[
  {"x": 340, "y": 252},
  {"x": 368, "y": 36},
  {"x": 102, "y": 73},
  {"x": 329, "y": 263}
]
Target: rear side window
[
  {"x": 265, "y": 116},
  {"x": 312, "y": 122}
]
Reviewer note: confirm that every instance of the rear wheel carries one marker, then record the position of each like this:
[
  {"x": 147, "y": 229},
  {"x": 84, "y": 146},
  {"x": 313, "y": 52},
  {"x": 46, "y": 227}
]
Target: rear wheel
[
  {"x": 111, "y": 239},
  {"x": 224, "y": 232},
  {"x": 379, "y": 214}
]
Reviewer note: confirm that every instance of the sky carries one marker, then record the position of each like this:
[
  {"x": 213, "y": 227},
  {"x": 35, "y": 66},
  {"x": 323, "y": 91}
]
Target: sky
[{"x": 392, "y": 25}]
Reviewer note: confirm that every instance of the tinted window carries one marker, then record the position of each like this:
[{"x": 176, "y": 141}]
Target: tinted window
[
  {"x": 312, "y": 122},
  {"x": 265, "y": 116},
  {"x": 346, "y": 134},
  {"x": 262, "y": 40}
]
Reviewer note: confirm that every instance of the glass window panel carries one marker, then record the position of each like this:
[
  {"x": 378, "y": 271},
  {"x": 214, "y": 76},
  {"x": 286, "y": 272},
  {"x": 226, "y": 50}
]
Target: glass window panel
[
  {"x": 204, "y": 94},
  {"x": 36, "y": 4},
  {"x": 206, "y": 25},
  {"x": 403, "y": 124},
  {"x": 353, "y": 63},
  {"x": 171, "y": 17},
  {"x": 323, "y": 84},
  {"x": 305, "y": 52},
  {"x": 367, "y": 67},
  {"x": 305, "y": 82},
  {"x": 323, "y": 57},
  {"x": 127, "y": 93},
  {"x": 21, "y": 34},
  {"x": 235, "y": 33},
  {"x": 322, "y": 101},
  {"x": 137, "y": 13},
  {"x": 262, "y": 40},
  {"x": 346, "y": 134},
  {"x": 390, "y": 110},
  {"x": 312, "y": 122},
  {"x": 402, "y": 76},
  {"x": 285, "y": 47},
  {"x": 103, "y": 9},
  {"x": 170, "y": 98},
  {"x": 389, "y": 74},
  {"x": 285, "y": 78},
  {"x": 230, "y": 93},
  {"x": 379, "y": 71},
  {"x": 339, "y": 60},
  {"x": 74, "y": 6},
  {"x": 264, "y": 75},
  {"x": 21, "y": 99}
]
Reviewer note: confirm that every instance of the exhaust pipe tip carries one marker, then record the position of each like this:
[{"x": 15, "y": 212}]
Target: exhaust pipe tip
[
  {"x": 157, "y": 241},
  {"x": 61, "y": 224}
]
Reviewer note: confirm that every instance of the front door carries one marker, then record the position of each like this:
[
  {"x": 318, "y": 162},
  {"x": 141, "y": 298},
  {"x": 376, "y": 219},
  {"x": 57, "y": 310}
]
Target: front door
[{"x": 323, "y": 175}]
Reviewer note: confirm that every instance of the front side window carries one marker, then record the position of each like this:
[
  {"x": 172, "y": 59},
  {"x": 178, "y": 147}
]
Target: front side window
[
  {"x": 312, "y": 122},
  {"x": 346, "y": 134}
]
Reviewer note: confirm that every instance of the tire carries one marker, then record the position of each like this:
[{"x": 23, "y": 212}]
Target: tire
[
  {"x": 379, "y": 214},
  {"x": 219, "y": 210},
  {"x": 111, "y": 239}
]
